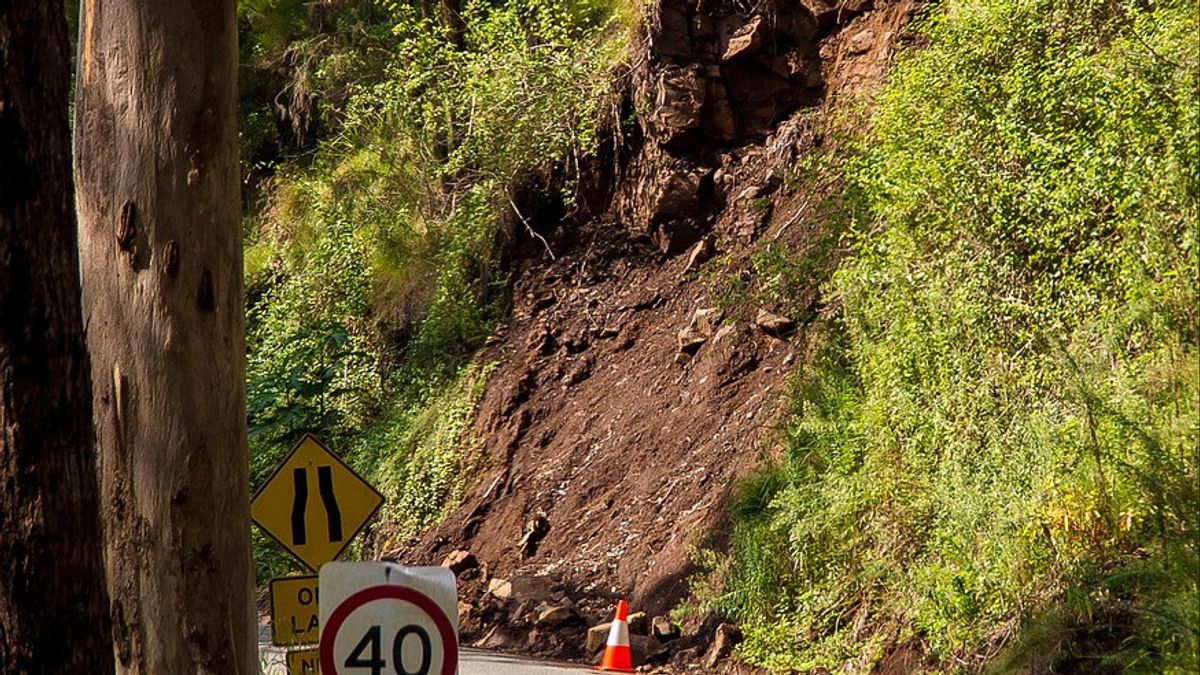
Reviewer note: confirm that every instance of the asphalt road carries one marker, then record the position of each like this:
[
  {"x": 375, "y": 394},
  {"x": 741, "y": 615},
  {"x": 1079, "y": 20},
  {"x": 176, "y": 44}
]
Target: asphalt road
[
  {"x": 471, "y": 662},
  {"x": 474, "y": 662}
]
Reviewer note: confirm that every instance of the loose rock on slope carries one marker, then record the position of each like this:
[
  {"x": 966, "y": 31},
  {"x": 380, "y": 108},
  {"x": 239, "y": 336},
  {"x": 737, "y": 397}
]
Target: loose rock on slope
[{"x": 605, "y": 457}]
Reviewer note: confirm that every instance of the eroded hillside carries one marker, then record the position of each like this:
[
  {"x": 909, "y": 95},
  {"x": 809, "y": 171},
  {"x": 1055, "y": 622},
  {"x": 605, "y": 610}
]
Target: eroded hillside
[
  {"x": 872, "y": 335},
  {"x": 643, "y": 367}
]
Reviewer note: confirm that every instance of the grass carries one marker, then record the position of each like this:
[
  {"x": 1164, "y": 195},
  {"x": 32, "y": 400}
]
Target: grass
[{"x": 993, "y": 446}]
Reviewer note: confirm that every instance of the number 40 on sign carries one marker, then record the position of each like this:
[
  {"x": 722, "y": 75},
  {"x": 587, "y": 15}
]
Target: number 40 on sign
[{"x": 384, "y": 619}]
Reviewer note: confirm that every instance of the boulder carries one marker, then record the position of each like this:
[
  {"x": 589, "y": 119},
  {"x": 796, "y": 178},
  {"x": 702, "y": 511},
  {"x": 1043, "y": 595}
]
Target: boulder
[
  {"x": 704, "y": 322},
  {"x": 646, "y": 649},
  {"x": 663, "y": 629},
  {"x": 553, "y": 616},
  {"x": 725, "y": 639},
  {"x": 597, "y": 636},
  {"x": 532, "y": 587},
  {"x": 638, "y": 623},
  {"x": 773, "y": 324},
  {"x": 747, "y": 41},
  {"x": 500, "y": 588},
  {"x": 460, "y": 561}
]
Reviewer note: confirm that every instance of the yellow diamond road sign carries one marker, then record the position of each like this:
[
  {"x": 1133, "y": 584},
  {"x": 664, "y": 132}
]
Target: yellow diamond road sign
[{"x": 314, "y": 504}]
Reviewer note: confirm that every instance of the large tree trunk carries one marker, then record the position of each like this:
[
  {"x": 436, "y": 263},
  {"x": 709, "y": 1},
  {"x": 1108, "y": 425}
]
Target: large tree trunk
[
  {"x": 160, "y": 236},
  {"x": 52, "y": 602}
]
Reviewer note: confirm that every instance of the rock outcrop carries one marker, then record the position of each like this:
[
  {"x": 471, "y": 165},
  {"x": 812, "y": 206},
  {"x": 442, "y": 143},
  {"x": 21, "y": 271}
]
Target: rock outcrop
[
  {"x": 633, "y": 387},
  {"x": 715, "y": 76}
]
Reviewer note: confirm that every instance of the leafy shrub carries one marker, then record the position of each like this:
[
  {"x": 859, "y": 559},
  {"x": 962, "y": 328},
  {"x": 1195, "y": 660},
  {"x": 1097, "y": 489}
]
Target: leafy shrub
[
  {"x": 373, "y": 260},
  {"x": 997, "y": 440}
]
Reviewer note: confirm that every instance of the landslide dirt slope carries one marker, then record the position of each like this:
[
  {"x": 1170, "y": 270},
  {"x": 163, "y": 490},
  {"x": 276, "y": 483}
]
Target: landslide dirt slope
[{"x": 618, "y": 450}]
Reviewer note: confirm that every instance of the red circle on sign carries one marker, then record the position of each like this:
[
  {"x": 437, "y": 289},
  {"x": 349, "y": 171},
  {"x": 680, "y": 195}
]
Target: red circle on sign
[{"x": 422, "y": 601}]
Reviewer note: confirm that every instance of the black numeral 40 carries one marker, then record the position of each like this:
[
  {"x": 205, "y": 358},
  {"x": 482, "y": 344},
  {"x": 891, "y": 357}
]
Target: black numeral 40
[{"x": 371, "y": 643}]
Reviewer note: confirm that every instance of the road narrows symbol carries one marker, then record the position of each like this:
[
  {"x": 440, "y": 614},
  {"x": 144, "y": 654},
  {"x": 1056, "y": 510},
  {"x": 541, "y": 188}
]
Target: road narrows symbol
[{"x": 333, "y": 514}]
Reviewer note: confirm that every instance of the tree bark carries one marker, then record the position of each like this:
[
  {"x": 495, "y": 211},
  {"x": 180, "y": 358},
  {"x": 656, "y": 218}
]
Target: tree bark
[
  {"x": 452, "y": 21},
  {"x": 160, "y": 241},
  {"x": 53, "y": 608}
]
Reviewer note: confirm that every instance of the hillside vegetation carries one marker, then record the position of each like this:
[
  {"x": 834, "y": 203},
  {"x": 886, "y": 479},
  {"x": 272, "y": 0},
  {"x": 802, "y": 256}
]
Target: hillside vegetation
[
  {"x": 993, "y": 445},
  {"x": 990, "y": 459},
  {"x": 373, "y": 254}
]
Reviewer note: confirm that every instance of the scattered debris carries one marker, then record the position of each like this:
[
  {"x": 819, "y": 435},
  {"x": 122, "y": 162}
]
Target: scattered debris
[
  {"x": 725, "y": 639},
  {"x": 460, "y": 561},
  {"x": 773, "y": 324},
  {"x": 535, "y": 530}
]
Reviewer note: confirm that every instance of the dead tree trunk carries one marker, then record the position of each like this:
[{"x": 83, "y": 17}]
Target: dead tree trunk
[
  {"x": 160, "y": 241},
  {"x": 52, "y": 601}
]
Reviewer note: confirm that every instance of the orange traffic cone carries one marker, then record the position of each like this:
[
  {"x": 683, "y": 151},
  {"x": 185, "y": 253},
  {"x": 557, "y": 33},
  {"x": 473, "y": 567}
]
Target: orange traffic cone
[{"x": 617, "y": 657}]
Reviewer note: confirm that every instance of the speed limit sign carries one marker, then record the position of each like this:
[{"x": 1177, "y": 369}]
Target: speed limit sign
[{"x": 386, "y": 619}]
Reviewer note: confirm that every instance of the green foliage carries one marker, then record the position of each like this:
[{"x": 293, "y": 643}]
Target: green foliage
[
  {"x": 420, "y": 451},
  {"x": 430, "y": 153},
  {"x": 290, "y": 398},
  {"x": 995, "y": 442},
  {"x": 372, "y": 262},
  {"x": 774, "y": 276}
]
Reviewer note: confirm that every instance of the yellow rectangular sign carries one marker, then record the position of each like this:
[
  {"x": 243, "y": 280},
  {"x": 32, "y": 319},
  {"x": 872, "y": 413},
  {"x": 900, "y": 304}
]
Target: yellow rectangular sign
[
  {"x": 314, "y": 503},
  {"x": 294, "y": 611},
  {"x": 304, "y": 662}
]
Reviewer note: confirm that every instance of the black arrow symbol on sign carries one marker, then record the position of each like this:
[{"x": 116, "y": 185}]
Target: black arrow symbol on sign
[{"x": 333, "y": 513}]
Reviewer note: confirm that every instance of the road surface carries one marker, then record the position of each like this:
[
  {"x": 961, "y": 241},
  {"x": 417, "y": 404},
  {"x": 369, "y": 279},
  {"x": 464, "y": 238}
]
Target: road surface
[
  {"x": 471, "y": 662},
  {"x": 475, "y": 662}
]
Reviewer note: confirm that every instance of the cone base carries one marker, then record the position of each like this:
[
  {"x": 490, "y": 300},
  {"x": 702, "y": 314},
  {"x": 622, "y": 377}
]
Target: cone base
[{"x": 617, "y": 659}]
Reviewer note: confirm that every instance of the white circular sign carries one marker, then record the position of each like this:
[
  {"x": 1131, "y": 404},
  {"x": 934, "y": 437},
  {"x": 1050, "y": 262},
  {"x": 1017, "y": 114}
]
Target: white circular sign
[{"x": 388, "y": 630}]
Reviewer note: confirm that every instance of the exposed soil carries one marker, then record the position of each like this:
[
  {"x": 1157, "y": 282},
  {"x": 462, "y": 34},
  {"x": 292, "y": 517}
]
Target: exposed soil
[{"x": 608, "y": 453}]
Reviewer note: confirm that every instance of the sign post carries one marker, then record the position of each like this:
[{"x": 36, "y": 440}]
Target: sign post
[{"x": 385, "y": 619}]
